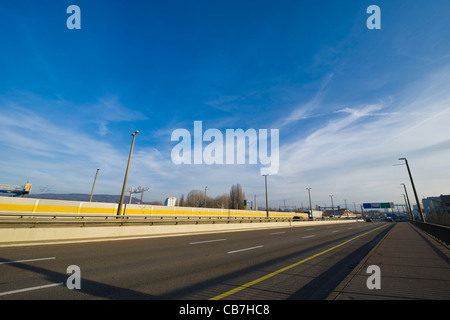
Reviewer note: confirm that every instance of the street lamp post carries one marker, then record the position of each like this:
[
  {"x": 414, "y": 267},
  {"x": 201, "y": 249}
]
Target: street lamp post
[
  {"x": 414, "y": 189},
  {"x": 332, "y": 204},
  {"x": 267, "y": 200},
  {"x": 119, "y": 209},
  {"x": 346, "y": 209},
  {"x": 408, "y": 204},
  {"x": 92, "y": 191},
  {"x": 310, "y": 205}
]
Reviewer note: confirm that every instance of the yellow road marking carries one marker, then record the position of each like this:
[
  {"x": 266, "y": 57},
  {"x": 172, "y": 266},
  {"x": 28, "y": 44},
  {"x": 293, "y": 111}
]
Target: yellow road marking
[{"x": 270, "y": 275}]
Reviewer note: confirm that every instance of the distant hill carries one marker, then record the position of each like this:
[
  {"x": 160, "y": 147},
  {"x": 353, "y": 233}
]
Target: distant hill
[{"x": 109, "y": 198}]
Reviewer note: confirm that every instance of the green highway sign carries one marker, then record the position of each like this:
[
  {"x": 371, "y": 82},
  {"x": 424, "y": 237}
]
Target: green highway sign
[{"x": 379, "y": 205}]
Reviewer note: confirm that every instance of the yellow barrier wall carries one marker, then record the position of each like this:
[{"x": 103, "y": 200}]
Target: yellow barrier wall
[{"x": 42, "y": 206}]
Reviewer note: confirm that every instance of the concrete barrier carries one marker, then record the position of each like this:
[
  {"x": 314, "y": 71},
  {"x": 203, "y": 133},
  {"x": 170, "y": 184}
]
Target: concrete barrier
[
  {"x": 10, "y": 236},
  {"x": 45, "y": 206}
]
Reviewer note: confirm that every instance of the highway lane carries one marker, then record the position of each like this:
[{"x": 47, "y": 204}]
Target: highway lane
[{"x": 203, "y": 266}]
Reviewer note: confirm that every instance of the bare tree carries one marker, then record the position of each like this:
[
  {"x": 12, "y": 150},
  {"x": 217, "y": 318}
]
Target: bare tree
[
  {"x": 233, "y": 200},
  {"x": 195, "y": 198},
  {"x": 222, "y": 201},
  {"x": 181, "y": 203},
  {"x": 236, "y": 197}
]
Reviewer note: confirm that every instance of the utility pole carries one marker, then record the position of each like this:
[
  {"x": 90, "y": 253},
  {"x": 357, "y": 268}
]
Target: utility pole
[
  {"x": 131, "y": 195},
  {"x": 141, "y": 190}
]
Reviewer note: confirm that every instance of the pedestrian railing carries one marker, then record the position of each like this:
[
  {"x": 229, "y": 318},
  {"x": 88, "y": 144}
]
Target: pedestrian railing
[{"x": 440, "y": 232}]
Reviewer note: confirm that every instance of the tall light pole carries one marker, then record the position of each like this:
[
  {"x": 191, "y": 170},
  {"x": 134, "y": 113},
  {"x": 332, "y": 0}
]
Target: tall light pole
[
  {"x": 141, "y": 190},
  {"x": 310, "y": 205},
  {"x": 267, "y": 200},
  {"x": 414, "y": 189},
  {"x": 407, "y": 209},
  {"x": 131, "y": 195},
  {"x": 92, "y": 192},
  {"x": 332, "y": 204},
  {"x": 119, "y": 209},
  {"x": 346, "y": 210},
  {"x": 408, "y": 204}
]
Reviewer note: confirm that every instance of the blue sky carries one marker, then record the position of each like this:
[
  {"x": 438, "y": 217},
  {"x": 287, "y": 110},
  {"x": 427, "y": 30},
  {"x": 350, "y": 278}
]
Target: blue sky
[{"x": 348, "y": 101}]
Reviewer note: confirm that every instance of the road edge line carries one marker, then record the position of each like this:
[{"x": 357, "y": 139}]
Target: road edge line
[{"x": 272, "y": 274}]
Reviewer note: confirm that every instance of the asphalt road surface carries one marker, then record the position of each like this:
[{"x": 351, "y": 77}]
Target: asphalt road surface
[{"x": 271, "y": 264}]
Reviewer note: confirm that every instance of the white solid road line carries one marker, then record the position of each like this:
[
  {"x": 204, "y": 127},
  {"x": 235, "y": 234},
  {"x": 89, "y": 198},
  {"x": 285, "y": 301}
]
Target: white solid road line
[
  {"x": 305, "y": 237},
  {"x": 234, "y": 251},
  {"x": 31, "y": 288},
  {"x": 28, "y": 260},
  {"x": 207, "y": 241}
]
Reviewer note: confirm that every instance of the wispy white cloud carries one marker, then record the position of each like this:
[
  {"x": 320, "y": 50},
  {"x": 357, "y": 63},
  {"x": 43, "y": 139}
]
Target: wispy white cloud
[
  {"x": 109, "y": 110},
  {"x": 308, "y": 109},
  {"x": 47, "y": 151},
  {"x": 56, "y": 157},
  {"x": 349, "y": 154},
  {"x": 352, "y": 153}
]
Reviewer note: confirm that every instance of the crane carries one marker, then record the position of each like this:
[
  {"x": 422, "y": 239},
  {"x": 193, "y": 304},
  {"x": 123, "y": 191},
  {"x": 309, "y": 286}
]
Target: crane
[{"x": 15, "y": 191}]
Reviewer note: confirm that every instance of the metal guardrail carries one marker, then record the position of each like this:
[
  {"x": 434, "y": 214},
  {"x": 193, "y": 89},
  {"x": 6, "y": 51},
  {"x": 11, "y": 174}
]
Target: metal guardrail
[
  {"x": 440, "y": 232},
  {"x": 25, "y": 220}
]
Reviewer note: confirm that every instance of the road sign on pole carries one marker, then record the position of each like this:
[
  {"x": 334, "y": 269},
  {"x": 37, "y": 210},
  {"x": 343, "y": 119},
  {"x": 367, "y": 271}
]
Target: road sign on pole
[{"x": 379, "y": 205}]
